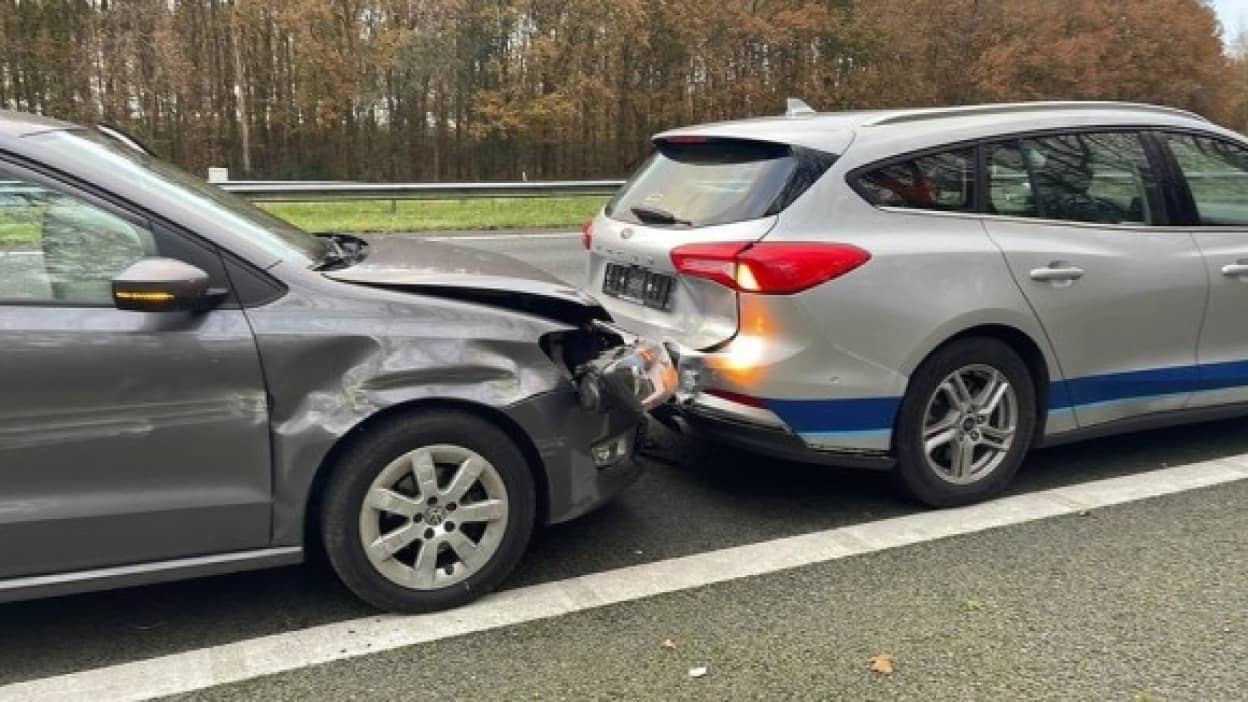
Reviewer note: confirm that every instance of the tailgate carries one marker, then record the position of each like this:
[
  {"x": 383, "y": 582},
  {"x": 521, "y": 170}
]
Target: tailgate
[
  {"x": 692, "y": 190},
  {"x": 696, "y": 313}
]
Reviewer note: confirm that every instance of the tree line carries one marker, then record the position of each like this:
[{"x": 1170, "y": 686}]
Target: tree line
[{"x": 505, "y": 89}]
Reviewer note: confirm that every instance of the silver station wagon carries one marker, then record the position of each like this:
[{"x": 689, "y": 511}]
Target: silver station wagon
[
  {"x": 935, "y": 291},
  {"x": 191, "y": 386}
]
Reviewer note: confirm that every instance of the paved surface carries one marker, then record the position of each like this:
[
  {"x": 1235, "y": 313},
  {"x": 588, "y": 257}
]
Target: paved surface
[
  {"x": 799, "y": 630},
  {"x": 559, "y": 253},
  {"x": 1147, "y": 601}
]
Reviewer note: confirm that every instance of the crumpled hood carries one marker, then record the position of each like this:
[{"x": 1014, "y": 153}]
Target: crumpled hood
[{"x": 456, "y": 272}]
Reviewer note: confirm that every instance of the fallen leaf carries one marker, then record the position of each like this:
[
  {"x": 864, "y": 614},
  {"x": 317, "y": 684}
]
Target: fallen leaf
[
  {"x": 883, "y": 664},
  {"x": 972, "y": 605},
  {"x": 669, "y": 644},
  {"x": 697, "y": 672}
]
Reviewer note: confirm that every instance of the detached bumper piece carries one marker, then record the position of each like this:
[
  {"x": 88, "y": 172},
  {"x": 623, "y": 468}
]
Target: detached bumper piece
[{"x": 638, "y": 376}]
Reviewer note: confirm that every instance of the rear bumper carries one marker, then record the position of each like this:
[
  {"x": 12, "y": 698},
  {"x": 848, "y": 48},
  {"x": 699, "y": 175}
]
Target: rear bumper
[
  {"x": 702, "y": 423},
  {"x": 768, "y": 426}
]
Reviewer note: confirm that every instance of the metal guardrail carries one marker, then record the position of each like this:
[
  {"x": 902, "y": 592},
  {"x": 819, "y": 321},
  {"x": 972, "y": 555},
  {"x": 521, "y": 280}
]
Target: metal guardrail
[{"x": 309, "y": 191}]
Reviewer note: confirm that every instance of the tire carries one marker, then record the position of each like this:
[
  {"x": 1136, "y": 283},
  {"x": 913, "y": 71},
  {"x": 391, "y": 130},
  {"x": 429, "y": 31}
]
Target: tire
[
  {"x": 410, "y": 524},
  {"x": 936, "y": 409}
]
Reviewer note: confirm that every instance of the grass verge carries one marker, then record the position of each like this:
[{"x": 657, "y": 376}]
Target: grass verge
[
  {"x": 424, "y": 215},
  {"x": 379, "y": 216}
]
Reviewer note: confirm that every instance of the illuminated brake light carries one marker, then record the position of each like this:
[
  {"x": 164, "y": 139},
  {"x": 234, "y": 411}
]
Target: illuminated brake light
[
  {"x": 587, "y": 234},
  {"x": 745, "y": 277},
  {"x": 769, "y": 268}
]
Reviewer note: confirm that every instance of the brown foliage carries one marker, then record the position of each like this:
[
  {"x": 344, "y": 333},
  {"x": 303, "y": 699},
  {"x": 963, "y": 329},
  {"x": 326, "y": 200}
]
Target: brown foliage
[{"x": 450, "y": 89}]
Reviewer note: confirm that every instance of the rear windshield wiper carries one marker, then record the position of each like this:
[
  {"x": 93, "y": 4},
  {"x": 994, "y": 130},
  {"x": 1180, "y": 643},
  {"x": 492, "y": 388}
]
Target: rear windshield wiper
[{"x": 654, "y": 215}]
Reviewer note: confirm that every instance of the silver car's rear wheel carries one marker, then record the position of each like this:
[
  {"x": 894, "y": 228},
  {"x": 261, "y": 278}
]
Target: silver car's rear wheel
[
  {"x": 969, "y": 424},
  {"x": 433, "y": 517},
  {"x": 965, "y": 423}
]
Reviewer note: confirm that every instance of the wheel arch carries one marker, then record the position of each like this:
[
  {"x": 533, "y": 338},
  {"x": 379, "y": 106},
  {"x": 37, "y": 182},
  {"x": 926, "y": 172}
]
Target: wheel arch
[
  {"x": 1022, "y": 343},
  {"x": 360, "y": 431}
]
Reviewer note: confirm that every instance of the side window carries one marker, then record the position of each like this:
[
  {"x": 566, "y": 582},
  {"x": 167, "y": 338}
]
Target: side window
[
  {"x": 934, "y": 182},
  {"x": 1216, "y": 172},
  {"x": 60, "y": 249},
  {"x": 1101, "y": 178},
  {"x": 1009, "y": 185}
]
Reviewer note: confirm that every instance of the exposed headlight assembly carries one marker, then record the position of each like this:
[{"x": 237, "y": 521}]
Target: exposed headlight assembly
[{"x": 638, "y": 375}]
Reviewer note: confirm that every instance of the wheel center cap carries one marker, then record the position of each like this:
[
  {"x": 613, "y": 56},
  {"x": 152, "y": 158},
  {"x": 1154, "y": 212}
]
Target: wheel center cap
[
  {"x": 968, "y": 423},
  {"x": 435, "y": 516}
]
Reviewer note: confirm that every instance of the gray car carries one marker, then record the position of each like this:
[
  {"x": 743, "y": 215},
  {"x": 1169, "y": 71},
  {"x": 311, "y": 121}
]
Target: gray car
[
  {"x": 192, "y": 387},
  {"x": 935, "y": 291}
]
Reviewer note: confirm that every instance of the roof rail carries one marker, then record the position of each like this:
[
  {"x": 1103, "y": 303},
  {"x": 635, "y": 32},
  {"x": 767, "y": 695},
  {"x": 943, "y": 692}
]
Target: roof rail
[
  {"x": 796, "y": 107},
  {"x": 925, "y": 113}
]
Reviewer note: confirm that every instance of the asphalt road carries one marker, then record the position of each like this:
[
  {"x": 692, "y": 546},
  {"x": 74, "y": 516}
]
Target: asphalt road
[
  {"x": 559, "y": 253},
  {"x": 1055, "y": 609},
  {"x": 692, "y": 500}
]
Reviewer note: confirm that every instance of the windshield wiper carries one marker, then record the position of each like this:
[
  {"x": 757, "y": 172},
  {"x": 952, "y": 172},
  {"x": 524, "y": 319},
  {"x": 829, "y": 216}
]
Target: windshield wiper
[{"x": 654, "y": 215}]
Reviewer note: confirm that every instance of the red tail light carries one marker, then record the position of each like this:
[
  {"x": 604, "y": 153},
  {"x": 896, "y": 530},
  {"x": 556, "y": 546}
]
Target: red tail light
[
  {"x": 587, "y": 234},
  {"x": 770, "y": 268}
]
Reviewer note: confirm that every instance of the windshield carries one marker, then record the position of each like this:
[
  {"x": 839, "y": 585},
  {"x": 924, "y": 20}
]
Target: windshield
[
  {"x": 696, "y": 182},
  {"x": 277, "y": 236}
]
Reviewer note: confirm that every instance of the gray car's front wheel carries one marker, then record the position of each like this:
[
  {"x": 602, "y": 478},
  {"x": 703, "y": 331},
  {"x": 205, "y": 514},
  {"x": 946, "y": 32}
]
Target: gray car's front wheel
[
  {"x": 428, "y": 511},
  {"x": 965, "y": 423}
]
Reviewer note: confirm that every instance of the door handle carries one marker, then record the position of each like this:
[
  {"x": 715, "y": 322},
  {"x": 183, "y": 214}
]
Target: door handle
[
  {"x": 1056, "y": 273},
  {"x": 1234, "y": 270}
]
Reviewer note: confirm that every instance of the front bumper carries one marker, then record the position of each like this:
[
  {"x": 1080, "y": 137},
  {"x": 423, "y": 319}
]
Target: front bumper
[{"x": 566, "y": 428}]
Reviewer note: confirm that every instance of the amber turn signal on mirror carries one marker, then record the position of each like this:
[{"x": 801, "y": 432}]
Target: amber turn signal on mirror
[{"x": 164, "y": 285}]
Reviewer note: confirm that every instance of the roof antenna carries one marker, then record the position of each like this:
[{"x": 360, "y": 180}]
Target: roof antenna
[{"x": 795, "y": 107}]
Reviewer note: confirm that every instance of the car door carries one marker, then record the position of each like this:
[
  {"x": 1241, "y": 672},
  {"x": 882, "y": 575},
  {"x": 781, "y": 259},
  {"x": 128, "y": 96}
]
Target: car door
[
  {"x": 125, "y": 437},
  {"x": 1212, "y": 178},
  {"x": 1078, "y": 217}
]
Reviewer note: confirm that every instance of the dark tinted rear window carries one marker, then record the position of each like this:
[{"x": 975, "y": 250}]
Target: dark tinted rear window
[
  {"x": 934, "y": 182},
  {"x": 716, "y": 181}
]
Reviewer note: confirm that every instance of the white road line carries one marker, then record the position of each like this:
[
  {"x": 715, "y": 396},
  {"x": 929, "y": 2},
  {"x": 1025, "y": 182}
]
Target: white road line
[
  {"x": 496, "y": 237},
  {"x": 243, "y": 660}
]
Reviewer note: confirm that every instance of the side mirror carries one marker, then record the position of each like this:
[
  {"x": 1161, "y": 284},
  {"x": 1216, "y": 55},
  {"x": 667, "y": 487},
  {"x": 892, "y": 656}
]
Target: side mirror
[{"x": 164, "y": 285}]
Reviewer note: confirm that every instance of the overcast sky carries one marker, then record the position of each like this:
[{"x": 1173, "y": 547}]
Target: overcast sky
[{"x": 1234, "y": 16}]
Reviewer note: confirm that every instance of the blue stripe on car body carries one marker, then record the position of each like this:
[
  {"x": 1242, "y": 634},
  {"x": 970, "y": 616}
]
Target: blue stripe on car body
[
  {"x": 836, "y": 416},
  {"x": 873, "y": 417}
]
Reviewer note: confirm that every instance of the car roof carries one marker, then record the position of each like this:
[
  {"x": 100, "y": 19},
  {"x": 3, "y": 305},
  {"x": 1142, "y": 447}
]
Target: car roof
[
  {"x": 876, "y": 132},
  {"x": 20, "y": 124}
]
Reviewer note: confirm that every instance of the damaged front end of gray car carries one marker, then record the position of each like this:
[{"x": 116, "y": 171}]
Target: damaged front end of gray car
[{"x": 520, "y": 404}]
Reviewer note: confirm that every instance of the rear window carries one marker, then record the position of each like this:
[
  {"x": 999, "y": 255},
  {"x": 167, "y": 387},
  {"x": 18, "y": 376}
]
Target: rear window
[
  {"x": 703, "y": 182},
  {"x": 934, "y": 182}
]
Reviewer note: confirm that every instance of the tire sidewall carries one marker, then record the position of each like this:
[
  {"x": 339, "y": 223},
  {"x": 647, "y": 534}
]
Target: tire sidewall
[
  {"x": 912, "y": 470},
  {"x": 370, "y": 453}
]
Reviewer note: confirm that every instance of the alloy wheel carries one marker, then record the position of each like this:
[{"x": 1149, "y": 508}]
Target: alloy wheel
[
  {"x": 433, "y": 517},
  {"x": 970, "y": 424}
]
